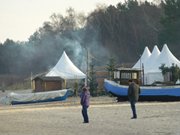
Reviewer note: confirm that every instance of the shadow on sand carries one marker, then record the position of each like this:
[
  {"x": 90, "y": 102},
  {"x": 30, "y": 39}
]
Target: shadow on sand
[{"x": 152, "y": 98}]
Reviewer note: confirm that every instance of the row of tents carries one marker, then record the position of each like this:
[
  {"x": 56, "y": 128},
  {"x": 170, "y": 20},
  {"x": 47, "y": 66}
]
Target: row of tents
[{"x": 151, "y": 61}]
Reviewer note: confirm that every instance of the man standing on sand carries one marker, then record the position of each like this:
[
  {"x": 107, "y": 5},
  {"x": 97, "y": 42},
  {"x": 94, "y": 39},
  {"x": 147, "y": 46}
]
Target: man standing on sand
[
  {"x": 85, "y": 97},
  {"x": 133, "y": 95}
]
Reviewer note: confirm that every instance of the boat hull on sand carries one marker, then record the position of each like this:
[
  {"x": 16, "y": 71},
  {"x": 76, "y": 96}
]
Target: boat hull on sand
[
  {"x": 37, "y": 97},
  {"x": 146, "y": 91}
]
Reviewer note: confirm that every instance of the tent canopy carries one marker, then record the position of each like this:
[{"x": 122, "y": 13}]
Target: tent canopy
[
  {"x": 167, "y": 58},
  {"x": 144, "y": 57},
  {"x": 164, "y": 57},
  {"x": 154, "y": 61},
  {"x": 66, "y": 69}
]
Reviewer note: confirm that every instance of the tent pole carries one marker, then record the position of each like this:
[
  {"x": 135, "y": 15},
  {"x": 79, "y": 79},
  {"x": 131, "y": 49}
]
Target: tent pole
[
  {"x": 31, "y": 81},
  {"x": 65, "y": 83},
  {"x": 86, "y": 81},
  {"x": 87, "y": 68}
]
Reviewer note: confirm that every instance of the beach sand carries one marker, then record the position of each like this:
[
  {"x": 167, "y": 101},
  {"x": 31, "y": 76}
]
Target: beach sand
[{"x": 107, "y": 117}]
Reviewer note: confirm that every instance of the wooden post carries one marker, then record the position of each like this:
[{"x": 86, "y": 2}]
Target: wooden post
[
  {"x": 86, "y": 82},
  {"x": 65, "y": 83}
]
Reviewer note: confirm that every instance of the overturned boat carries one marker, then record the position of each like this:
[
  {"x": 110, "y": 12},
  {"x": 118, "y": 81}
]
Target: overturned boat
[{"x": 36, "y": 97}]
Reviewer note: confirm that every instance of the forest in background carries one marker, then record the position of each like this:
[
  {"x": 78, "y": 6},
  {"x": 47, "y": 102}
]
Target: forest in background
[{"x": 120, "y": 32}]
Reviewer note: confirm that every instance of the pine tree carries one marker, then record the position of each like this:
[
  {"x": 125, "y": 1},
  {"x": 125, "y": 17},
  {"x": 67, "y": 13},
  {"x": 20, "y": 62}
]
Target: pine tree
[{"x": 111, "y": 67}]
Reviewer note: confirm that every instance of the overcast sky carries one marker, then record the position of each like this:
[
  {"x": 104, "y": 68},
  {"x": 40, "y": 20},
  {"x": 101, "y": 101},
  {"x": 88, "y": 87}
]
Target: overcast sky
[{"x": 21, "y": 18}]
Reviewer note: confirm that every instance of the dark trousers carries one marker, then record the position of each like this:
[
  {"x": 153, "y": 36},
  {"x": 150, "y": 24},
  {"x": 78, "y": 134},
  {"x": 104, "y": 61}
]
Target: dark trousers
[
  {"x": 133, "y": 107},
  {"x": 85, "y": 113}
]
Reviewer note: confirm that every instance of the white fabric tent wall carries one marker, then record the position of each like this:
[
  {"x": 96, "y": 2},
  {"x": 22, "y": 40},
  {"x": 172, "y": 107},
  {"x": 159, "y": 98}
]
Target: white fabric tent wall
[
  {"x": 150, "y": 77},
  {"x": 66, "y": 69}
]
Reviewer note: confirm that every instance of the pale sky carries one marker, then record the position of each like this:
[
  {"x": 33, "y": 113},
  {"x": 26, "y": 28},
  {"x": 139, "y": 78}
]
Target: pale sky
[{"x": 21, "y": 18}]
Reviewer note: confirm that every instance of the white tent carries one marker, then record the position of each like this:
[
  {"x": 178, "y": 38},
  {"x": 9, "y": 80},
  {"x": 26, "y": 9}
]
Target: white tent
[
  {"x": 66, "y": 69},
  {"x": 178, "y": 81},
  {"x": 167, "y": 58},
  {"x": 149, "y": 64},
  {"x": 152, "y": 72},
  {"x": 144, "y": 57}
]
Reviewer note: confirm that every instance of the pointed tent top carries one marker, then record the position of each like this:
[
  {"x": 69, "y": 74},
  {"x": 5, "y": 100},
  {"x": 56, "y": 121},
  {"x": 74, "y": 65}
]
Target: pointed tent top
[
  {"x": 165, "y": 50},
  {"x": 155, "y": 54},
  {"x": 149, "y": 64},
  {"x": 178, "y": 81},
  {"x": 66, "y": 69},
  {"x": 156, "y": 50},
  {"x": 167, "y": 58},
  {"x": 146, "y": 54}
]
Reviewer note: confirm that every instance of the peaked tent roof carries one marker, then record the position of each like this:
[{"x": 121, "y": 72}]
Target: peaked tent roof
[
  {"x": 165, "y": 57},
  {"x": 66, "y": 69},
  {"x": 146, "y": 54},
  {"x": 148, "y": 65}
]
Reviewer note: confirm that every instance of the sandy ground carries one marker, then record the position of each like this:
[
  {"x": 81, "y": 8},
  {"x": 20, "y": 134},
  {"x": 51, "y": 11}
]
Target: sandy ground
[{"x": 106, "y": 118}]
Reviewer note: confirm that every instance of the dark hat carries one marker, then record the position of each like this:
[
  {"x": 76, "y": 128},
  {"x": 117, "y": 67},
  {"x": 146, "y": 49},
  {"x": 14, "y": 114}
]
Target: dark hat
[
  {"x": 130, "y": 80},
  {"x": 85, "y": 88}
]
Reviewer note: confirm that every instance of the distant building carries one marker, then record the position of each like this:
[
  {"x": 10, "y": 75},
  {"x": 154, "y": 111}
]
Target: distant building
[
  {"x": 42, "y": 83},
  {"x": 100, "y": 76}
]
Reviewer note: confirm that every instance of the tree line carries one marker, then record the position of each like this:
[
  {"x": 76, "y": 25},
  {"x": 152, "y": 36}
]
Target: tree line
[{"x": 120, "y": 31}]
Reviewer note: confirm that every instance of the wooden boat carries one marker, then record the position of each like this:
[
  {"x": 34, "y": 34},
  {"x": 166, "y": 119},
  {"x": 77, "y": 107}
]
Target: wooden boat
[
  {"x": 119, "y": 87},
  {"x": 121, "y": 90},
  {"x": 36, "y": 97}
]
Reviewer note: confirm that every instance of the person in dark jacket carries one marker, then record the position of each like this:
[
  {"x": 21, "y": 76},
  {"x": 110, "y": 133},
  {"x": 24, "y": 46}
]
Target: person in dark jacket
[
  {"x": 85, "y": 99},
  {"x": 133, "y": 96}
]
